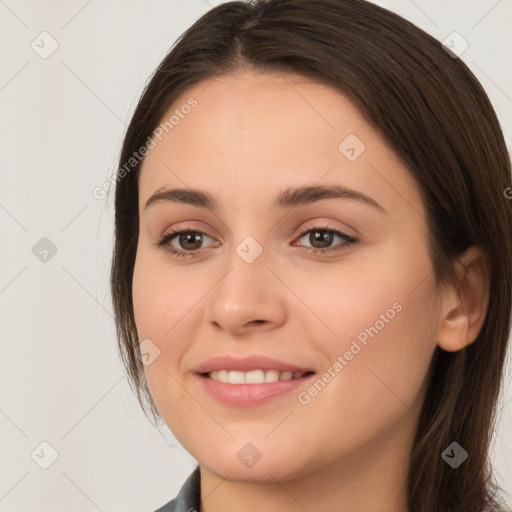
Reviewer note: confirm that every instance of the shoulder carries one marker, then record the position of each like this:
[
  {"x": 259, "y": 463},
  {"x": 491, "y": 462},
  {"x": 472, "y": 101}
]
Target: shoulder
[{"x": 188, "y": 498}]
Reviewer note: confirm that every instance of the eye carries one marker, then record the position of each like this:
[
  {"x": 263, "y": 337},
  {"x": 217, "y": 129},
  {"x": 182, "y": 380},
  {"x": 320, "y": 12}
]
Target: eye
[
  {"x": 317, "y": 237},
  {"x": 191, "y": 240}
]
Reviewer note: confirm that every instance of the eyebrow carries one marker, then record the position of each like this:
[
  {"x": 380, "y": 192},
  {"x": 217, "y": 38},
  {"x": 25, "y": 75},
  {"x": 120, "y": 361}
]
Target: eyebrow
[{"x": 288, "y": 198}]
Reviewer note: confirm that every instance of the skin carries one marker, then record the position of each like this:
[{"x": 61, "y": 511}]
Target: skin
[{"x": 250, "y": 136}]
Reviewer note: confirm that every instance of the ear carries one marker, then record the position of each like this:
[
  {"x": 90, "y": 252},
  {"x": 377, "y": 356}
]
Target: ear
[{"x": 465, "y": 304}]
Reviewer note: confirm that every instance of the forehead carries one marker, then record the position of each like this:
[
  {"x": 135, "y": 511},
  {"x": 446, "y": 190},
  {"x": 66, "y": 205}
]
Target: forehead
[{"x": 251, "y": 134}]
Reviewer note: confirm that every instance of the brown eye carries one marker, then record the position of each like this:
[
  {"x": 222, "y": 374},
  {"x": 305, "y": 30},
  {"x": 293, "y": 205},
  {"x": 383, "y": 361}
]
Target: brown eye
[
  {"x": 189, "y": 240},
  {"x": 322, "y": 238}
]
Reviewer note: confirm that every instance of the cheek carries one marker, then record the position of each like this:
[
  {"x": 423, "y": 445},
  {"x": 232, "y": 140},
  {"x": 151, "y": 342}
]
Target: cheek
[
  {"x": 386, "y": 343},
  {"x": 158, "y": 298},
  {"x": 382, "y": 325},
  {"x": 166, "y": 312},
  {"x": 150, "y": 303}
]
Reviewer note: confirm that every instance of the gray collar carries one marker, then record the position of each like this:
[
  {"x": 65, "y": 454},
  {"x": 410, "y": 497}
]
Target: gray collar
[{"x": 189, "y": 497}]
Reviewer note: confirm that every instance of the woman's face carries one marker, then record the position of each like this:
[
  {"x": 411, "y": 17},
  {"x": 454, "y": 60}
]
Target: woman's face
[{"x": 360, "y": 314}]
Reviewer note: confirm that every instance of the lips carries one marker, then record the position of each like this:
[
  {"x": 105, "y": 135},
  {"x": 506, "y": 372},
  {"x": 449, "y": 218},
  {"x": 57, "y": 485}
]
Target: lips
[
  {"x": 234, "y": 393},
  {"x": 245, "y": 364}
]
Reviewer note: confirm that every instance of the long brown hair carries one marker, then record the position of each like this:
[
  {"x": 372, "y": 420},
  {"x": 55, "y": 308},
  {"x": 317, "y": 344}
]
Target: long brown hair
[{"x": 438, "y": 119}]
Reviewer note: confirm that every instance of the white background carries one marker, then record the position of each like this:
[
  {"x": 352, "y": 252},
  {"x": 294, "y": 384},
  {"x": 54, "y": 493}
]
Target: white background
[{"x": 62, "y": 120}]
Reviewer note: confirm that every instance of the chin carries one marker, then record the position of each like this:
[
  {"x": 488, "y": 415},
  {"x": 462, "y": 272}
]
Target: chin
[{"x": 243, "y": 465}]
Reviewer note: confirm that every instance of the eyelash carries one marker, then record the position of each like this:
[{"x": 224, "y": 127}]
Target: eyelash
[{"x": 165, "y": 239}]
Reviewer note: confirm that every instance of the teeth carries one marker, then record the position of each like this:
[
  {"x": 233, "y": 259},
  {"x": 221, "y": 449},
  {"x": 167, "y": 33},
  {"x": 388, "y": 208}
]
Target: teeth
[{"x": 253, "y": 377}]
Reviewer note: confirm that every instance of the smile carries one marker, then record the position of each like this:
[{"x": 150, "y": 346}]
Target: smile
[{"x": 253, "y": 376}]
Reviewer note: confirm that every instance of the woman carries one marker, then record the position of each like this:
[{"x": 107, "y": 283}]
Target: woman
[{"x": 312, "y": 266}]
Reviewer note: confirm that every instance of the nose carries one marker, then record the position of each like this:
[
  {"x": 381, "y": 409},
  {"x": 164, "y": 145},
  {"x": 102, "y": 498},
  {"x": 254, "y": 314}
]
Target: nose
[{"x": 247, "y": 296}]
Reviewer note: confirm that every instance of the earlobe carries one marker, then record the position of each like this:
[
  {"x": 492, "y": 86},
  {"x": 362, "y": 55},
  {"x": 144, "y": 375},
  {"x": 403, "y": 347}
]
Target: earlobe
[
  {"x": 465, "y": 304},
  {"x": 453, "y": 333}
]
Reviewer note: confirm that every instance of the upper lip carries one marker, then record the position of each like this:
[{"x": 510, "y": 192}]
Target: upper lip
[{"x": 244, "y": 364}]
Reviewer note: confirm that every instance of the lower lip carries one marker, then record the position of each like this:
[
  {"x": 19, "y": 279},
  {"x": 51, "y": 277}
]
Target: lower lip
[{"x": 247, "y": 395}]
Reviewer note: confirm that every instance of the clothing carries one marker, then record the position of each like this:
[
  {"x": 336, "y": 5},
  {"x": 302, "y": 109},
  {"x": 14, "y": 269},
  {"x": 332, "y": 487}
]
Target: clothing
[{"x": 189, "y": 496}]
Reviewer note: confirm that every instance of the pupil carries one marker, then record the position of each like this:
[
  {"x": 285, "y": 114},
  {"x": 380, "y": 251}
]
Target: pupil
[
  {"x": 188, "y": 237},
  {"x": 326, "y": 239}
]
